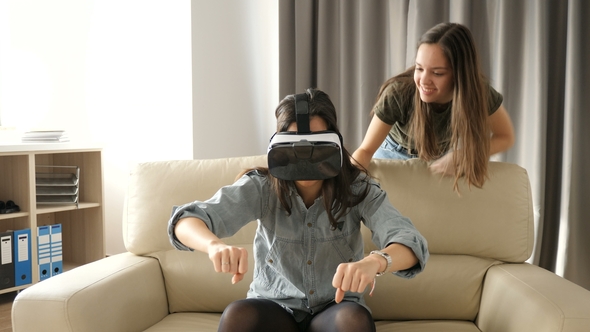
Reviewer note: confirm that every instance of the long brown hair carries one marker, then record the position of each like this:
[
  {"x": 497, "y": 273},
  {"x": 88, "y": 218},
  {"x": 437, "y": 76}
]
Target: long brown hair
[
  {"x": 469, "y": 129},
  {"x": 337, "y": 193}
]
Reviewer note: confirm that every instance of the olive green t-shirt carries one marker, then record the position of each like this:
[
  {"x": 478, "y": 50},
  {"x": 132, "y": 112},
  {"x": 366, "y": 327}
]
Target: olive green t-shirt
[{"x": 396, "y": 107}]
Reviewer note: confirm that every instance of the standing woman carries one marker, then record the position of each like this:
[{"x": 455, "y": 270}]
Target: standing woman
[{"x": 441, "y": 110}]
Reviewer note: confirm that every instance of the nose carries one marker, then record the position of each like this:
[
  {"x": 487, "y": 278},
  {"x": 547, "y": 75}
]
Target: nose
[{"x": 425, "y": 78}]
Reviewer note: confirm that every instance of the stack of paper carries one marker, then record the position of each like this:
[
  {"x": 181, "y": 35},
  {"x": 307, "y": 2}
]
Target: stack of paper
[{"x": 45, "y": 136}]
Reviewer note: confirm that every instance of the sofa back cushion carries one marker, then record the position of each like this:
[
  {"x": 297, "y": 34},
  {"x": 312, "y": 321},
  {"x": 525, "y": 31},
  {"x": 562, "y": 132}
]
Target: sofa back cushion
[
  {"x": 494, "y": 222},
  {"x": 192, "y": 284},
  {"x": 467, "y": 233},
  {"x": 155, "y": 187}
]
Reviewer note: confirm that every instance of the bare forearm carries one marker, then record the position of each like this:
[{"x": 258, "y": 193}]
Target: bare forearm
[
  {"x": 500, "y": 144},
  {"x": 362, "y": 157},
  {"x": 502, "y": 131},
  {"x": 376, "y": 134}
]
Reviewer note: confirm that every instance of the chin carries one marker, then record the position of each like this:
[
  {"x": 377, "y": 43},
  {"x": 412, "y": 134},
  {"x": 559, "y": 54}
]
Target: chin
[
  {"x": 428, "y": 99},
  {"x": 432, "y": 99},
  {"x": 308, "y": 183}
]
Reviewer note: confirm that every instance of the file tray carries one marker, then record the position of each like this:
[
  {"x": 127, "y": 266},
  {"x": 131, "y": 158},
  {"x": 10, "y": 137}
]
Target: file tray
[
  {"x": 62, "y": 199},
  {"x": 55, "y": 180},
  {"x": 57, "y": 185},
  {"x": 56, "y": 190}
]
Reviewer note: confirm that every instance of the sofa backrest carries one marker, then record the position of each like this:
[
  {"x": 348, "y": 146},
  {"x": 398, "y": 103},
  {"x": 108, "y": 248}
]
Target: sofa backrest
[
  {"x": 493, "y": 222},
  {"x": 467, "y": 233},
  {"x": 155, "y": 187}
]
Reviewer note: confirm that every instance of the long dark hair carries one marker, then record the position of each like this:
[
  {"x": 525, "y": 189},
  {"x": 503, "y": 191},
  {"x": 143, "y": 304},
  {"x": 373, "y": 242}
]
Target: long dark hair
[
  {"x": 469, "y": 130},
  {"x": 337, "y": 193}
]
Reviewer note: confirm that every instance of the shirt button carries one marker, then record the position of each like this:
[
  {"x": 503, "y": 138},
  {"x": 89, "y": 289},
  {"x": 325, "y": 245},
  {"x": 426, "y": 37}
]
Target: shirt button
[
  {"x": 309, "y": 224},
  {"x": 311, "y": 292},
  {"x": 308, "y": 262},
  {"x": 270, "y": 261},
  {"x": 350, "y": 260}
]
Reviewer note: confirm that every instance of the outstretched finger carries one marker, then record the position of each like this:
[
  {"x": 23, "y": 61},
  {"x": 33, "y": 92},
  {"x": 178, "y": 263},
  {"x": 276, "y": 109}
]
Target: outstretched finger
[
  {"x": 242, "y": 266},
  {"x": 243, "y": 263},
  {"x": 339, "y": 295},
  {"x": 237, "y": 278}
]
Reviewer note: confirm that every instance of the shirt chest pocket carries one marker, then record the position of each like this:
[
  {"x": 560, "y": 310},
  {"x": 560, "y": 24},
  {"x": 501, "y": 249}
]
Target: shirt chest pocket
[
  {"x": 334, "y": 252},
  {"x": 342, "y": 245}
]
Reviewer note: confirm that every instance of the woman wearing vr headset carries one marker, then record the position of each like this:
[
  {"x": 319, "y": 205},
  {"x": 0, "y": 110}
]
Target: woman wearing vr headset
[
  {"x": 310, "y": 272},
  {"x": 441, "y": 110}
]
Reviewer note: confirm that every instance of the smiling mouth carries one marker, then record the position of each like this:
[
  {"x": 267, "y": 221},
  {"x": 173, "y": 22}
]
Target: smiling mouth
[{"x": 426, "y": 90}]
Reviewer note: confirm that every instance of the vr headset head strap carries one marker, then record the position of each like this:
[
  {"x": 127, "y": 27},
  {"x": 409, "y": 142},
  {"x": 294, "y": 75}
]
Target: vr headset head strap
[
  {"x": 302, "y": 113},
  {"x": 304, "y": 155}
]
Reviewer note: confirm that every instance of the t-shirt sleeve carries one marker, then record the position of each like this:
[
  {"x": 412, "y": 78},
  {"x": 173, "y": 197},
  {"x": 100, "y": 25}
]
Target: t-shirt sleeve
[
  {"x": 389, "y": 106},
  {"x": 495, "y": 100}
]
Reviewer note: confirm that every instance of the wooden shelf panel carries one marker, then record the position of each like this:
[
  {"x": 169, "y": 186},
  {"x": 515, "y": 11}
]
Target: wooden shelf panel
[
  {"x": 13, "y": 215},
  {"x": 52, "y": 208}
]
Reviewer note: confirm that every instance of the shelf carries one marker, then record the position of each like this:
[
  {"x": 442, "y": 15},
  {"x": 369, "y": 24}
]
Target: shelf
[
  {"x": 13, "y": 215},
  {"x": 24, "y": 148},
  {"x": 41, "y": 209}
]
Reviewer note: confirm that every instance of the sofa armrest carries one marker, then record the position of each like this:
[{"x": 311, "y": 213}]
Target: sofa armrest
[
  {"x": 525, "y": 297},
  {"x": 123, "y": 292}
]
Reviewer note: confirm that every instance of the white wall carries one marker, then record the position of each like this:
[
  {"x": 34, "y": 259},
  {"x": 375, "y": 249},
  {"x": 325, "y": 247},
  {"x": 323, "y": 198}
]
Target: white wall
[
  {"x": 235, "y": 76},
  {"x": 120, "y": 72},
  {"x": 109, "y": 71}
]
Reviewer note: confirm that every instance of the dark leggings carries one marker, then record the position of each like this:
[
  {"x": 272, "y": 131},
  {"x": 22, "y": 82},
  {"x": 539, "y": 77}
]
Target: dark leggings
[{"x": 260, "y": 315}]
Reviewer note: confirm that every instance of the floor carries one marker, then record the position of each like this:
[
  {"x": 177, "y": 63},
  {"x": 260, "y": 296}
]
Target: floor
[{"x": 5, "y": 308}]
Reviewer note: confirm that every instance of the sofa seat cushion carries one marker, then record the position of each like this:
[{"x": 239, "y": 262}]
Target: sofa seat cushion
[
  {"x": 203, "y": 322},
  {"x": 427, "y": 326},
  {"x": 449, "y": 288},
  {"x": 193, "y": 285},
  {"x": 187, "y": 321}
]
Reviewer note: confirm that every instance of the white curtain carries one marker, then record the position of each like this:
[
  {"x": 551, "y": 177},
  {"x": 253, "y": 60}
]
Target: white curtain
[{"x": 534, "y": 52}]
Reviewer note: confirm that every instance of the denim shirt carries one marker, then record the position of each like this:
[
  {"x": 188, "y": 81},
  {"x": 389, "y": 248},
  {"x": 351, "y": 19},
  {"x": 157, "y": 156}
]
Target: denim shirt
[{"x": 296, "y": 255}]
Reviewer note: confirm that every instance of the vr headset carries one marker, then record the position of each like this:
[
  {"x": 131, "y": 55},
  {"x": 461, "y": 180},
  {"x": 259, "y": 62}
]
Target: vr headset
[{"x": 304, "y": 155}]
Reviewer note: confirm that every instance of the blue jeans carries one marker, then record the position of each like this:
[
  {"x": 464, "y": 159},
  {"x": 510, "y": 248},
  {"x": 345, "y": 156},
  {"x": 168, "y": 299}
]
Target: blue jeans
[{"x": 389, "y": 149}]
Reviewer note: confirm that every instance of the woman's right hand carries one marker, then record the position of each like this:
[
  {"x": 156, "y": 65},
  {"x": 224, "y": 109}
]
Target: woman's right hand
[
  {"x": 443, "y": 165},
  {"x": 229, "y": 259},
  {"x": 193, "y": 232}
]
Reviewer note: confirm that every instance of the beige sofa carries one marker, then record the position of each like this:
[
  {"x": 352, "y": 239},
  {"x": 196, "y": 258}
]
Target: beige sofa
[{"x": 475, "y": 279}]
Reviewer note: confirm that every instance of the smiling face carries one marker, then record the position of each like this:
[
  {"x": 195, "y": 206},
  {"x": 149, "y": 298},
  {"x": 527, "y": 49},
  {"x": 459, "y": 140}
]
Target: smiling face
[{"x": 433, "y": 75}]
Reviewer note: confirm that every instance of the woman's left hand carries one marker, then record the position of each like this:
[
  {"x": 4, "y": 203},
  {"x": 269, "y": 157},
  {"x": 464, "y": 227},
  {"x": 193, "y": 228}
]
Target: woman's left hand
[
  {"x": 443, "y": 165},
  {"x": 355, "y": 277}
]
